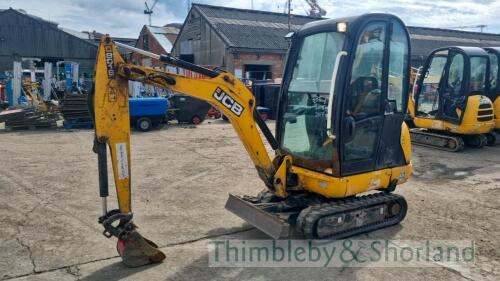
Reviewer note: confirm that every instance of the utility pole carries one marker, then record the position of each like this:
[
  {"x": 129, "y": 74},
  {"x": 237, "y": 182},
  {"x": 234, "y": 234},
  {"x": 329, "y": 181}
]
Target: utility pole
[
  {"x": 289, "y": 15},
  {"x": 188, "y": 5},
  {"x": 252, "y": 5}
]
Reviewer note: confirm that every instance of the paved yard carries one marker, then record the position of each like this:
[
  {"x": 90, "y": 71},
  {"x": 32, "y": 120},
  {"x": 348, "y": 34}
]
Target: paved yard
[{"x": 49, "y": 206}]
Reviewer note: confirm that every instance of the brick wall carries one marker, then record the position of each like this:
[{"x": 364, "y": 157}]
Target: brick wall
[
  {"x": 275, "y": 60},
  {"x": 154, "y": 47}
]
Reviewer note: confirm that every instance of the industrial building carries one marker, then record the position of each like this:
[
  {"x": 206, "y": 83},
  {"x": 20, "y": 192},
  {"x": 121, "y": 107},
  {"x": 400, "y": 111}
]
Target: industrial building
[
  {"x": 248, "y": 43},
  {"x": 26, "y": 36},
  {"x": 251, "y": 43}
]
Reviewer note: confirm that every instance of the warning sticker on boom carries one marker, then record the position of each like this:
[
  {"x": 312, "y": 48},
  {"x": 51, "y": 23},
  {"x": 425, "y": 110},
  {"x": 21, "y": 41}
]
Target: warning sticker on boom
[{"x": 121, "y": 157}]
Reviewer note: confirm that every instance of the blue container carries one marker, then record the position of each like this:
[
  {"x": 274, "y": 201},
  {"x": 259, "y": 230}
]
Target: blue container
[
  {"x": 148, "y": 107},
  {"x": 152, "y": 109}
]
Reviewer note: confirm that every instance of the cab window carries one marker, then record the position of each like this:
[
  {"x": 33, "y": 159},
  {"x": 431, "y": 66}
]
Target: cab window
[
  {"x": 366, "y": 77},
  {"x": 366, "y": 91},
  {"x": 304, "y": 117},
  {"x": 478, "y": 74},
  {"x": 455, "y": 75},
  {"x": 493, "y": 71},
  {"x": 428, "y": 99},
  {"x": 453, "y": 92},
  {"x": 398, "y": 59}
]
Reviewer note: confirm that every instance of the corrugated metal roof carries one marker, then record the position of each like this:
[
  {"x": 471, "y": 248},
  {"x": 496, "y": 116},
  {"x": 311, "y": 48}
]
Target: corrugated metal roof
[
  {"x": 260, "y": 30},
  {"x": 425, "y": 39},
  {"x": 255, "y": 37},
  {"x": 252, "y": 29},
  {"x": 79, "y": 34},
  {"x": 251, "y": 15},
  {"x": 160, "y": 35},
  {"x": 254, "y": 23},
  {"x": 24, "y": 12}
]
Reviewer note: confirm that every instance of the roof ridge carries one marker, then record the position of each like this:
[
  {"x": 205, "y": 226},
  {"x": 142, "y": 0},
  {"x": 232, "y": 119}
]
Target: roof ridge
[
  {"x": 52, "y": 25},
  {"x": 452, "y": 30},
  {"x": 253, "y": 11}
]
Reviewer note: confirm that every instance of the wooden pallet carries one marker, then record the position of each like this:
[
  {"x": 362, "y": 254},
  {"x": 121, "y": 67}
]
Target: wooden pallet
[
  {"x": 78, "y": 125},
  {"x": 30, "y": 127}
]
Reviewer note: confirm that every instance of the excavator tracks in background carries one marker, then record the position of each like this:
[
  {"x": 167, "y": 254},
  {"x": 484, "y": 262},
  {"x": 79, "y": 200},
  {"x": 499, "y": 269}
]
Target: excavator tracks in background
[
  {"x": 453, "y": 143},
  {"x": 425, "y": 138}
]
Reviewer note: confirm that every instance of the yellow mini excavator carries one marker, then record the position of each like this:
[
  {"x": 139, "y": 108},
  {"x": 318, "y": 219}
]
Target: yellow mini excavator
[
  {"x": 340, "y": 132},
  {"x": 494, "y": 85},
  {"x": 449, "y": 106}
]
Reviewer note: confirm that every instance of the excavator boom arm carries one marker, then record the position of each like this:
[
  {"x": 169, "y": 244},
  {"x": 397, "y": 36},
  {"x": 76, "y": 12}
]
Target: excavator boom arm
[{"x": 111, "y": 110}]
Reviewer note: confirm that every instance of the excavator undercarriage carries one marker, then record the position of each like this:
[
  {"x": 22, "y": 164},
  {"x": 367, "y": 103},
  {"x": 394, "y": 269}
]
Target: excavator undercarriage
[{"x": 314, "y": 217}]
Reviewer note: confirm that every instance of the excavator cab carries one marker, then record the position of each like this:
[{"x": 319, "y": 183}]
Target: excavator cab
[
  {"x": 494, "y": 83},
  {"x": 451, "y": 104},
  {"x": 344, "y": 95},
  {"x": 340, "y": 132}
]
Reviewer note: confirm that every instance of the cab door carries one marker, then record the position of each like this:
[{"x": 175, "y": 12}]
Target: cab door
[
  {"x": 452, "y": 91},
  {"x": 375, "y": 99}
]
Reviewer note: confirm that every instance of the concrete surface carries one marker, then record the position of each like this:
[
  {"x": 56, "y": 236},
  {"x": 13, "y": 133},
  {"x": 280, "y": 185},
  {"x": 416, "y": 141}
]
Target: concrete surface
[{"x": 49, "y": 206}]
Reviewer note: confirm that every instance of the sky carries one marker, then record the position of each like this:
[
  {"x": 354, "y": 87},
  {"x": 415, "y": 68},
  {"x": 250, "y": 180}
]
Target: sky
[{"x": 125, "y": 18}]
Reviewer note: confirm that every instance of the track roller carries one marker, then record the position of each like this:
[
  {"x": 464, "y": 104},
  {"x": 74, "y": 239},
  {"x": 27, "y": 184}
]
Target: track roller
[
  {"x": 477, "y": 141},
  {"x": 492, "y": 138}
]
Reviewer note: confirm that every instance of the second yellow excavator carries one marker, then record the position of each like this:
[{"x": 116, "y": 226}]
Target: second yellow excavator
[
  {"x": 340, "y": 132},
  {"x": 449, "y": 106},
  {"x": 494, "y": 83}
]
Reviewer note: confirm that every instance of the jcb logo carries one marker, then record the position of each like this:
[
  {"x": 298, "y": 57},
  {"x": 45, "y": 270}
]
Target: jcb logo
[
  {"x": 110, "y": 61},
  {"x": 228, "y": 101}
]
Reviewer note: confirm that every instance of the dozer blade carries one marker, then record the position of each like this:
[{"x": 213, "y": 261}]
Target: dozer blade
[
  {"x": 255, "y": 214},
  {"x": 136, "y": 250}
]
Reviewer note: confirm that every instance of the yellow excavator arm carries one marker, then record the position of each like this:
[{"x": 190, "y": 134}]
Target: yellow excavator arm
[
  {"x": 111, "y": 109},
  {"x": 112, "y": 122}
]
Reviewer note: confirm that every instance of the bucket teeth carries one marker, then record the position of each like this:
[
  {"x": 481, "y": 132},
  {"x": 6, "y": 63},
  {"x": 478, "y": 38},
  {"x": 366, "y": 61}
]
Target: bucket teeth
[{"x": 135, "y": 250}]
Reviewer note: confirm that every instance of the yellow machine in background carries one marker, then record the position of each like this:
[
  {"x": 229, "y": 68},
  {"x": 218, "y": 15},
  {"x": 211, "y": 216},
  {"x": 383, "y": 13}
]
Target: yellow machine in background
[
  {"x": 340, "y": 132},
  {"x": 494, "y": 85},
  {"x": 449, "y": 106}
]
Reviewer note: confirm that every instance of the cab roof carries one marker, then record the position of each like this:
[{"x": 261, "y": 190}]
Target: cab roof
[
  {"x": 353, "y": 23},
  {"x": 469, "y": 51}
]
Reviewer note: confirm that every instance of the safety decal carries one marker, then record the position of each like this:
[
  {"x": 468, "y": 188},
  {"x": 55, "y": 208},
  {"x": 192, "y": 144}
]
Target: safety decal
[{"x": 121, "y": 156}]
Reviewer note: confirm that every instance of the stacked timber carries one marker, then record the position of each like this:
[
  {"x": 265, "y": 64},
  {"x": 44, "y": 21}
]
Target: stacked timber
[
  {"x": 74, "y": 109},
  {"x": 27, "y": 118}
]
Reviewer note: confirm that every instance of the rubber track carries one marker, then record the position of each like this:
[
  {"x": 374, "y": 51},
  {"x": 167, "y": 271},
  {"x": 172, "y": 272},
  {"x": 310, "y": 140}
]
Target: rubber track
[
  {"x": 308, "y": 218},
  {"x": 460, "y": 144}
]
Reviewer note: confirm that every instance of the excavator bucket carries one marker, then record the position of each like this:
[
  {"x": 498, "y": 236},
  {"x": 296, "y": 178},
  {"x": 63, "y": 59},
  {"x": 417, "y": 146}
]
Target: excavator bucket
[{"x": 135, "y": 250}]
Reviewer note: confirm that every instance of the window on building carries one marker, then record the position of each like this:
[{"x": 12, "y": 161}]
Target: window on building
[
  {"x": 258, "y": 72},
  {"x": 187, "y": 47},
  {"x": 145, "y": 41}
]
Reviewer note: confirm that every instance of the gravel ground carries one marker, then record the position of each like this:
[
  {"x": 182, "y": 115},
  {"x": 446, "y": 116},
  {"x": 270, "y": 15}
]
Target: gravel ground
[{"x": 49, "y": 206}]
